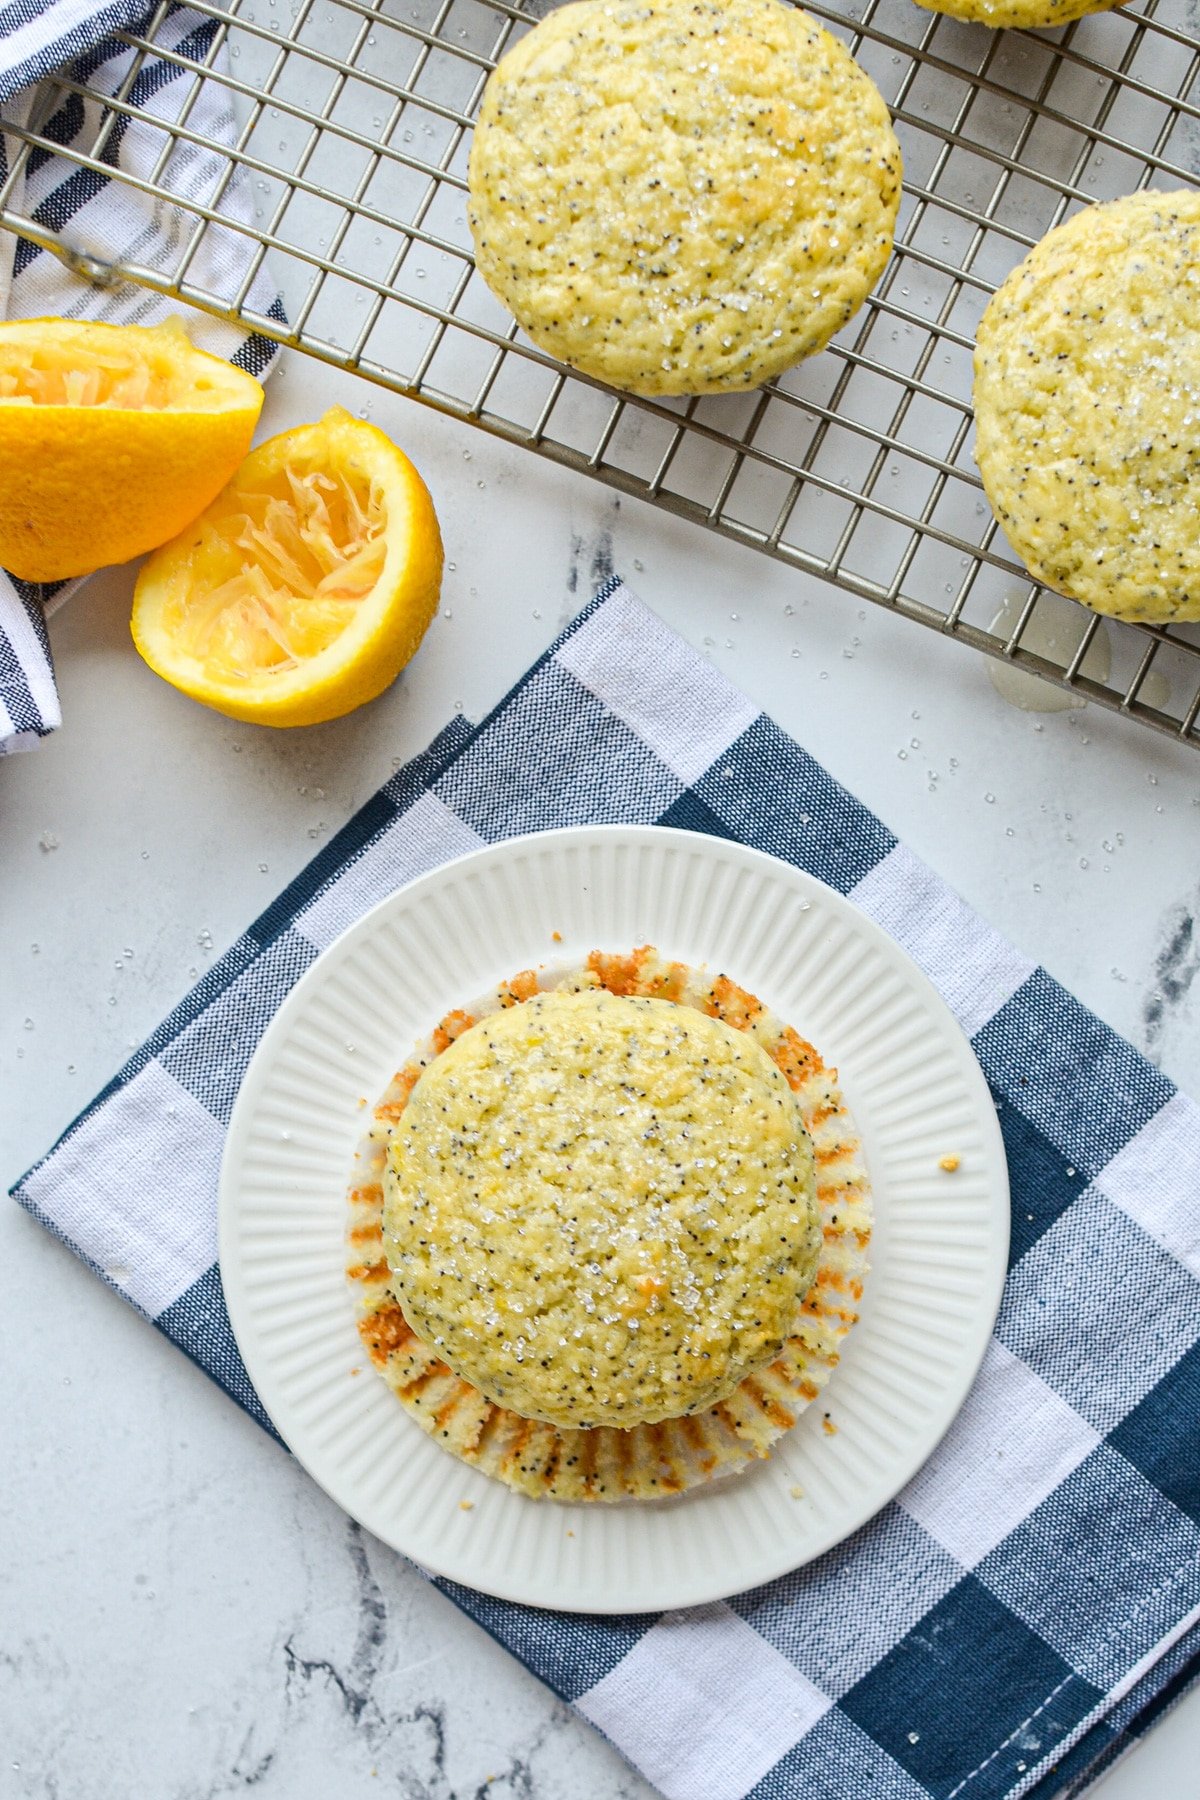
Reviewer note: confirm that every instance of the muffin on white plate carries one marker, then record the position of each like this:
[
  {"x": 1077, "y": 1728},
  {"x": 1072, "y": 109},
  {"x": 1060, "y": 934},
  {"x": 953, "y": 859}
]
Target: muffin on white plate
[{"x": 608, "y": 1230}]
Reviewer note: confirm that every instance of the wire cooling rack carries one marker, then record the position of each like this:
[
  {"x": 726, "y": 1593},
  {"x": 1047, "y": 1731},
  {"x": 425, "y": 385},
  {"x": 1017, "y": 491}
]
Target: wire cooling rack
[{"x": 352, "y": 126}]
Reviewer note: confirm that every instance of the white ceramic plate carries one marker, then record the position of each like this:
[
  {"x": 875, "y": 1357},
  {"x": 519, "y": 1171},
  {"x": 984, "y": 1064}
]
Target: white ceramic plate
[{"x": 910, "y": 1078}]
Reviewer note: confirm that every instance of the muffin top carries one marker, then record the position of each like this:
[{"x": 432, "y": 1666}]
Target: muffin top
[
  {"x": 1019, "y": 14},
  {"x": 1087, "y": 391},
  {"x": 682, "y": 196},
  {"x": 600, "y": 1210}
]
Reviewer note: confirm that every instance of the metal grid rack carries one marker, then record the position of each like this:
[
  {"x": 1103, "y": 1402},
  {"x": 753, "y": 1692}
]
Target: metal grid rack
[{"x": 352, "y": 124}]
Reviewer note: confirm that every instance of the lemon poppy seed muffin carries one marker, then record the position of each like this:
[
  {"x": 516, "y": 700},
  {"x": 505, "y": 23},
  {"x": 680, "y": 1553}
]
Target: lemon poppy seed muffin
[
  {"x": 616, "y": 1463},
  {"x": 682, "y": 196},
  {"x": 600, "y": 1209},
  {"x": 1028, "y": 15},
  {"x": 1087, "y": 407}
]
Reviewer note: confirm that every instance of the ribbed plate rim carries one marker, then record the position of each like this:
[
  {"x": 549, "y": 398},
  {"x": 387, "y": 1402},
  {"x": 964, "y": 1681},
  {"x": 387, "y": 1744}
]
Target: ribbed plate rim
[{"x": 479, "y": 1558}]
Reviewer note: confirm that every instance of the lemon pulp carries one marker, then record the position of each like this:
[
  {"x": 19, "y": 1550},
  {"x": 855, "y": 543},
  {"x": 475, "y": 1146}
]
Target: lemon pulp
[
  {"x": 155, "y": 371},
  {"x": 281, "y": 578}
]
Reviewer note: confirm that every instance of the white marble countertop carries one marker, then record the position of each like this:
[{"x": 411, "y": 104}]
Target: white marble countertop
[{"x": 185, "y": 1615}]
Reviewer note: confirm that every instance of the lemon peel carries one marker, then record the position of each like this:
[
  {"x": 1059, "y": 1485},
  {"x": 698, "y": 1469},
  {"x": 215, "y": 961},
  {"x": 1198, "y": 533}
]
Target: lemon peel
[{"x": 112, "y": 437}]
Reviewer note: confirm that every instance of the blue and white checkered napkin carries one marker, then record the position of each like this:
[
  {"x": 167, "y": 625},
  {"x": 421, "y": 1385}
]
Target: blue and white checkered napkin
[
  {"x": 1032, "y": 1600},
  {"x": 95, "y": 216}
]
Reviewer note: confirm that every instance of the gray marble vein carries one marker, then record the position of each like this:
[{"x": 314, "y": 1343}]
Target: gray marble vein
[{"x": 1176, "y": 965}]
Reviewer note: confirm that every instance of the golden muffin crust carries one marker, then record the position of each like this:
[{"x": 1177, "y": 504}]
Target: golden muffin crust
[
  {"x": 682, "y": 196},
  {"x": 1087, "y": 394},
  {"x": 600, "y": 1210},
  {"x": 1030, "y": 15}
]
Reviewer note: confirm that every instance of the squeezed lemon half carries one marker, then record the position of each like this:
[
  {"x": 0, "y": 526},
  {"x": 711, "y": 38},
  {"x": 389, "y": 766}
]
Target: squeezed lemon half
[
  {"x": 111, "y": 438},
  {"x": 305, "y": 587}
]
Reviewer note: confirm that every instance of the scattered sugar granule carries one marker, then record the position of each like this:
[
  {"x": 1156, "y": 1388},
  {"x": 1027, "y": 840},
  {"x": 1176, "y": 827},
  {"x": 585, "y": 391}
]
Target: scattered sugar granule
[
  {"x": 797, "y": 1493},
  {"x": 949, "y": 1163}
]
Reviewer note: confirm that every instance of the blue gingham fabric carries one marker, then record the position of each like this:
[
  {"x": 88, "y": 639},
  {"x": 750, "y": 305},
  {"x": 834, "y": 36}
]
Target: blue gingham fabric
[
  {"x": 94, "y": 216},
  {"x": 1032, "y": 1599}
]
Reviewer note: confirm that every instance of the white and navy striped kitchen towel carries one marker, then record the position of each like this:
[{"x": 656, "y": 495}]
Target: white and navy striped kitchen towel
[
  {"x": 1031, "y": 1602},
  {"x": 99, "y": 216}
]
